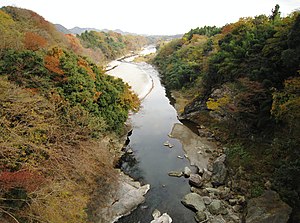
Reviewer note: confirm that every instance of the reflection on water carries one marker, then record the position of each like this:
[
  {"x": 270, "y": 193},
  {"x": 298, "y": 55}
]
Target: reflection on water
[{"x": 151, "y": 161}]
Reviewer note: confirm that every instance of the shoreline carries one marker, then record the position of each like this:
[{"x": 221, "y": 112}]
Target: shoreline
[{"x": 141, "y": 84}]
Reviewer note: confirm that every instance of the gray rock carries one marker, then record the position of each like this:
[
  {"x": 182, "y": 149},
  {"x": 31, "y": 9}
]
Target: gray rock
[
  {"x": 267, "y": 208},
  {"x": 219, "y": 172},
  {"x": 198, "y": 191},
  {"x": 217, "y": 207},
  {"x": 156, "y": 214},
  {"x": 241, "y": 200},
  {"x": 232, "y": 217},
  {"x": 232, "y": 201},
  {"x": 213, "y": 190},
  {"x": 237, "y": 208},
  {"x": 206, "y": 175},
  {"x": 194, "y": 201},
  {"x": 129, "y": 195},
  {"x": 207, "y": 200},
  {"x": 195, "y": 180},
  {"x": 200, "y": 216},
  {"x": 175, "y": 174},
  {"x": 218, "y": 219},
  {"x": 187, "y": 171},
  {"x": 225, "y": 192},
  {"x": 158, "y": 218}
]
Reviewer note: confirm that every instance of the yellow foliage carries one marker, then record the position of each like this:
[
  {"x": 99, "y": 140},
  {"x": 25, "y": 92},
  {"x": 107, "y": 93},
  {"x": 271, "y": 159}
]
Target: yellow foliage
[
  {"x": 5, "y": 20},
  {"x": 33, "y": 136},
  {"x": 217, "y": 104},
  {"x": 59, "y": 203}
]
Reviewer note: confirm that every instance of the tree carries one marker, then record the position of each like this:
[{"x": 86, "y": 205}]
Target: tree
[
  {"x": 34, "y": 41},
  {"x": 275, "y": 13}
]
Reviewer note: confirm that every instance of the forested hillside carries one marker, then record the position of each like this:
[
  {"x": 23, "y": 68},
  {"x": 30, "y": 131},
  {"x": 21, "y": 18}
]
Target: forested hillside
[
  {"x": 246, "y": 86},
  {"x": 60, "y": 118}
]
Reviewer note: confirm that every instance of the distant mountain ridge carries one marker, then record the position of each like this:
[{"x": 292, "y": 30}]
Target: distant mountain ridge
[
  {"x": 79, "y": 30},
  {"x": 62, "y": 29}
]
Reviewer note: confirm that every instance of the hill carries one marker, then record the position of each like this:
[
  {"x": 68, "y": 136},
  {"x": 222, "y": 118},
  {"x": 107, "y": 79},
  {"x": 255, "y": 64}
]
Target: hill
[
  {"x": 62, "y": 29},
  {"x": 61, "y": 119},
  {"x": 78, "y": 30},
  {"x": 241, "y": 82}
]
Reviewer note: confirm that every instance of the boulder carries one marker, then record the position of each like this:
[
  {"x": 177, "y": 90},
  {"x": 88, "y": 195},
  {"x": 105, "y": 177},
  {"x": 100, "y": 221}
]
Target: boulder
[
  {"x": 187, "y": 171},
  {"x": 194, "y": 201},
  {"x": 175, "y": 174},
  {"x": 195, "y": 180},
  {"x": 215, "y": 191},
  {"x": 129, "y": 195},
  {"x": 158, "y": 218},
  {"x": 207, "y": 200},
  {"x": 217, "y": 207},
  {"x": 206, "y": 175},
  {"x": 267, "y": 208},
  {"x": 218, "y": 219},
  {"x": 200, "y": 216},
  {"x": 219, "y": 172}
]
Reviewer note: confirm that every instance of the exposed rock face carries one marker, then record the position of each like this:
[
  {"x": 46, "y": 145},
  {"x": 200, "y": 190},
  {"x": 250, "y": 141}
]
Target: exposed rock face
[
  {"x": 193, "y": 145},
  {"x": 127, "y": 198},
  {"x": 194, "y": 201},
  {"x": 219, "y": 171},
  {"x": 267, "y": 208}
]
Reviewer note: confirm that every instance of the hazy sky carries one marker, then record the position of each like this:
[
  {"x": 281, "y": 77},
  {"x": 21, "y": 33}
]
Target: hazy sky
[{"x": 150, "y": 16}]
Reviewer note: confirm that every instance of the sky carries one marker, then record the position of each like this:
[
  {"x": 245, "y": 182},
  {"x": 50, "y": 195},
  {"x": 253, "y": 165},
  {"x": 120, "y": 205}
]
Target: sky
[{"x": 161, "y": 17}]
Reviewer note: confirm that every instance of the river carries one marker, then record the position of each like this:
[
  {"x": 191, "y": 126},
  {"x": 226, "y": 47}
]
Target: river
[{"x": 151, "y": 161}]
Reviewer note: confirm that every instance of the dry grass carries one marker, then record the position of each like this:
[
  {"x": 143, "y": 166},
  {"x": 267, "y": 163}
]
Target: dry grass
[{"x": 36, "y": 136}]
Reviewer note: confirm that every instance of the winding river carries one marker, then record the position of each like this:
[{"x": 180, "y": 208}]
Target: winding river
[{"x": 151, "y": 161}]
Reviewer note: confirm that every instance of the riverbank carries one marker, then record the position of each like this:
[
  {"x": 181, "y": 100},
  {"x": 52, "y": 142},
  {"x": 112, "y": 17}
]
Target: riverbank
[{"x": 220, "y": 193}]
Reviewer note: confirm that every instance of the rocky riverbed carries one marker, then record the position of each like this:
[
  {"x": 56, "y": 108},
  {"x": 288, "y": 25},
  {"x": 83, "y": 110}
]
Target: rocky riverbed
[{"x": 212, "y": 198}]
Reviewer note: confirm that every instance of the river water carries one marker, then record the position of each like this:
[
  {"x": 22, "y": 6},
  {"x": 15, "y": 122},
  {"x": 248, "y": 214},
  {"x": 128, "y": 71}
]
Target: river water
[{"x": 151, "y": 160}]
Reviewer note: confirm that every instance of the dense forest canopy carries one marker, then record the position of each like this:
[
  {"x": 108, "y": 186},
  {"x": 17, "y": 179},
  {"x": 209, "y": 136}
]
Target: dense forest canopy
[{"x": 245, "y": 75}]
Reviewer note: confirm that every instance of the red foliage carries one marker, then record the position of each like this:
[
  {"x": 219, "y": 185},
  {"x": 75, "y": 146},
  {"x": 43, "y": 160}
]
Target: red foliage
[
  {"x": 34, "y": 41},
  {"x": 26, "y": 179}
]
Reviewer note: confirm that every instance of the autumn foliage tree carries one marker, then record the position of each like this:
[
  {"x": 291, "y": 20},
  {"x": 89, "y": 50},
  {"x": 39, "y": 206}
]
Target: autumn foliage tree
[
  {"x": 247, "y": 73},
  {"x": 34, "y": 41}
]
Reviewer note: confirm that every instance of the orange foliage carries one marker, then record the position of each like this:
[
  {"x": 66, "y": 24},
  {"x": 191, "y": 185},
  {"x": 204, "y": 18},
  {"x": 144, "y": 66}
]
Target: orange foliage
[
  {"x": 227, "y": 29},
  {"x": 33, "y": 90},
  {"x": 34, "y": 41},
  {"x": 74, "y": 43},
  {"x": 97, "y": 95},
  {"x": 52, "y": 61},
  {"x": 84, "y": 64},
  {"x": 26, "y": 179},
  {"x": 52, "y": 64}
]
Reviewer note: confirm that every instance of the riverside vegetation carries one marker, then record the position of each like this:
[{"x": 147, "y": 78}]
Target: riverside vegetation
[
  {"x": 242, "y": 83},
  {"x": 61, "y": 119}
]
